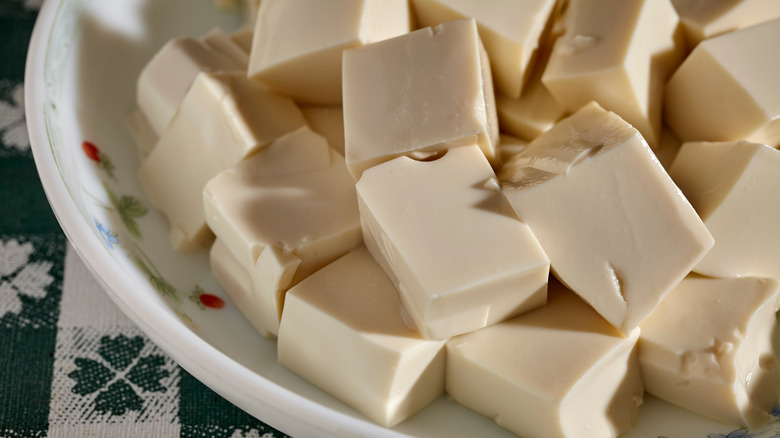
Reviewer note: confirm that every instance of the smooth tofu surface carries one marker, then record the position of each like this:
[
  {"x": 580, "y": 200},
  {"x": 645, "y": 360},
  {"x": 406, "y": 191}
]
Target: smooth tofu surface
[
  {"x": 223, "y": 118},
  {"x": 726, "y": 90},
  {"x": 234, "y": 278},
  {"x": 708, "y": 348},
  {"x": 706, "y": 19},
  {"x": 167, "y": 77},
  {"x": 297, "y": 44},
  {"x": 328, "y": 121},
  {"x": 619, "y": 53},
  {"x": 510, "y": 146},
  {"x": 285, "y": 212},
  {"x": 142, "y": 132},
  {"x": 342, "y": 330},
  {"x": 733, "y": 187},
  {"x": 617, "y": 230},
  {"x": 510, "y": 30},
  {"x": 449, "y": 241},
  {"x": 558, "y": 371},
  {"x": 419, "y": 93}
]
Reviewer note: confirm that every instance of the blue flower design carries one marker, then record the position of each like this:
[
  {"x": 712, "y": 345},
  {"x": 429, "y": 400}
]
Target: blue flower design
[{"x": 108, "y": 236}]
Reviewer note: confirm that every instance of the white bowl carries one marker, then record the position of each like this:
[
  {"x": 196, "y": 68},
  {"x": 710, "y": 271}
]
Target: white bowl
[{"x": 80, "y": 85}]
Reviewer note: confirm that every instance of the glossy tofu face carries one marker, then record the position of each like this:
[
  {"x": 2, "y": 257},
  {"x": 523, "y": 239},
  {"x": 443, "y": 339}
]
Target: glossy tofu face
[
  {"x": 441, "y": 229},
  {"x": 708, "y": 348},
  {"x": 580, "y": 374},
  {"x": 223, "y": 118},
  {"x": 297, "y": 44},
  {"x": 420, "y": 93},
  {"x": 726, "y": 89},
  {"x": 510, "y": 30},
  {"x": 732, "y": 186},
  {"x": 618, "y": 53},
  {"x": 342, "y": 330},
  {"x": 616, "y": 228}
]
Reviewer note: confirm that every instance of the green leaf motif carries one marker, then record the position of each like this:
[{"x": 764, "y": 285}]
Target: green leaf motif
[
  {"x": 117, "y": 399},
  {"x": 195, "y": 297},
  {"x": 131, "y": 206},
  {"x": 106, "y": 164},
  {"x": 90, "y": 376},
  {"x": 147, "y": 373},
  {"x": 120, "y": 351},
  {"x": 162, "y": 286}
]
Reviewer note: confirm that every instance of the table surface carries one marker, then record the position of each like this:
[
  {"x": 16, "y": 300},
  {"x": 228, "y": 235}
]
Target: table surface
[{"x": 71, "y": 364}]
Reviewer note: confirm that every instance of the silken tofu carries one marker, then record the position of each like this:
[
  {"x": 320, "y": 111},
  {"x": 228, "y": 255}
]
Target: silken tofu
[
  {"x": 328, "y": 121},
  {"x": 733, "y": 187},
  {"x": 558, "y": 371},
  {"x": 223, "y": 118},
  {"x": 708, "y": 348},
  {"x": 449, "y": 241},
  {"x": 167, "y": 77},
  {"x": 726, "y": 89},
  {"x": 284, "y": 213},
  {"x": 510, "y": 30},
  {"x": 706, "y": 19},
  {"x": 342, "y": 330},
  {"x": 619, "y": 53},
  {"x": 617, "y": 230},
  {"x": 297, "y": 44},
  {"x": 418, "y": 94}
]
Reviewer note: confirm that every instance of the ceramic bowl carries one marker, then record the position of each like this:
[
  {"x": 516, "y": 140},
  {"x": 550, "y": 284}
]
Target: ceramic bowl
[{"x": 83, "y": 62}]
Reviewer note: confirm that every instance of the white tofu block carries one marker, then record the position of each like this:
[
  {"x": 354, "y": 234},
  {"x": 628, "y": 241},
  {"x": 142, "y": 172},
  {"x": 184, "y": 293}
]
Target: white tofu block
[
  {"x": 726, "y": 90},
  {"x": 536, "y": 111},
  {"x": 284, "y": 213},
  {"x": 328, "y": 121},
  {"x": 705, "y": 19},
  {"x": 243, "y": 38},
  {"x": 443, "y": 233},
  {"x": 708, "y": 348},
  {"x": 617, "y": 230},
  {"x": 224, "y": 118},
  {"x": 733, "y": 187},
  {"x": 510, "y": 30},
  {"x": 217, "y": 40},
  {"x": 619, "y": 53},
  {"x": 298, "y": 43},
  {"x": 238, "y": 284},
  {"x": 167, "y": 77},
  {"x": 558, "y": 371},
  {"x": 418, "y": 94},
  {"x": 343, "y": 331}
]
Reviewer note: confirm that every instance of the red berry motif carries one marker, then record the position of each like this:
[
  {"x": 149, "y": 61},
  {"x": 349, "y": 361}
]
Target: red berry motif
[
  {"x": 212, "y": 301},
  {"x": 92, "y": 152}
]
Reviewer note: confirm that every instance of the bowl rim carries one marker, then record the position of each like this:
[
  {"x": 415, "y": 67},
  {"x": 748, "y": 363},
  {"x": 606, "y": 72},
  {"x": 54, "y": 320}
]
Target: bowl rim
[{"x": 270, "y": 402}]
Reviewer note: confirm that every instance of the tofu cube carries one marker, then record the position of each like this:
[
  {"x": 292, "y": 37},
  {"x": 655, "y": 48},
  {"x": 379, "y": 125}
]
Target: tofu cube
[
  {"x": 726, "y": 90},
  {"x": 343, "y": 331},
  {"x": 224, "y": 118},
  {"x": 297, "y": 44},
  {"x": 167, "y": 77},
  {"x": 284, "y": 213},
  {"x": 617, "y": 230},
  {"x": 558, "y": 371},
  {"x": 510, "y": 30},
  {"x": 733, "y": 187},
  {"x": 705, "y": 19},
  {"x": 709, "y": 349},
  {"x": 449, "y": 241},
  {"x": 619, "y": 53},
  {"x": 418, "y": 94},
  {"x": 328, "y": 121}
]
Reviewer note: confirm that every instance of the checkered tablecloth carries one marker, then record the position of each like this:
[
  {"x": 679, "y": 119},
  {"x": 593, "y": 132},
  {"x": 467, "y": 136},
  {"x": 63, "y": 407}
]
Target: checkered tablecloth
[{"x": 71, "y": 364}]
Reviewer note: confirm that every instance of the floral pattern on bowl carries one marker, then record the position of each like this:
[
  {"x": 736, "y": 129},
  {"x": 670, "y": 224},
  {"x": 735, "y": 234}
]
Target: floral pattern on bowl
[{"x": 83, "y": 88}]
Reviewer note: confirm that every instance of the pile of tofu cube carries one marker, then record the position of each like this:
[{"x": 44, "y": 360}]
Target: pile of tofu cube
[{"x": 541, "y": 208}]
